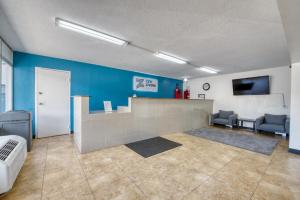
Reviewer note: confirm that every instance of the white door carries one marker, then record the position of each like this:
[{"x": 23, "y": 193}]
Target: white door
[{"x": 52, "y": 102}]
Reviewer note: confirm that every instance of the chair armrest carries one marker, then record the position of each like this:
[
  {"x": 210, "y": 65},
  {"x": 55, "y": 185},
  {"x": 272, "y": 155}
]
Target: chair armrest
[
  {"x": 287, "y": 125},
  {"x": 259, "y": 121},
  {"x": 232, "y": 119},
  {"x": 213, "y": 117}
]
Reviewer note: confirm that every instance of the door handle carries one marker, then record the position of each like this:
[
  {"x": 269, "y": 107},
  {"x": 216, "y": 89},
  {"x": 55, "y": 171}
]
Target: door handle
[
  {"x": 40, "y": 93},
  {"x": 41, "y": 103}
]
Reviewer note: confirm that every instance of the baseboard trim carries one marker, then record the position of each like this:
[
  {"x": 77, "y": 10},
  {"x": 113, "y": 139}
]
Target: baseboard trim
[{"x": 295, "y": 151}]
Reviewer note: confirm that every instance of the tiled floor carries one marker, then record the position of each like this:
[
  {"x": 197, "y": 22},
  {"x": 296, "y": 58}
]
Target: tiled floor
[{"x": 200, "y": 169}]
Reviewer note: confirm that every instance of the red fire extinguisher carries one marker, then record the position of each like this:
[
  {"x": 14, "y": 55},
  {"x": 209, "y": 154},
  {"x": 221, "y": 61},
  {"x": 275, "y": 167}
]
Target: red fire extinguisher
[
  {"x": 178, "y": 93},
  {"x": 186, "y": 94}
]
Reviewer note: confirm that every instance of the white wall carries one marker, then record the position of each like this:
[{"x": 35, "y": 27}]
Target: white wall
[
  {"x": 295, "y": 108},
  {"x": 6, "y": 79},
  {"x": 250, "y": 106}
]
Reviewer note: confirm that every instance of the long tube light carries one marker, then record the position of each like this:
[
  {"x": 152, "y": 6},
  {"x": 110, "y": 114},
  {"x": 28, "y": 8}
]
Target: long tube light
[
  {"x": 170, "y": 58},
  {"x": 90, "y": 32},
  {"x": 209, "y": 70}
]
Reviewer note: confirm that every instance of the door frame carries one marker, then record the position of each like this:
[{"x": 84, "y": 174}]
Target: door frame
[{"x": 36, "y": 96}]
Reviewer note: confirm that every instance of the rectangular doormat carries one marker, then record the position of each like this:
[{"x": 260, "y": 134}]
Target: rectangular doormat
[{"x": 152, "y": 146}]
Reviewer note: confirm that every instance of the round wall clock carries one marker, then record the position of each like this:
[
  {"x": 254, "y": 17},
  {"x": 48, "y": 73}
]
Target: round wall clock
[{"x": 206, "y": 86}]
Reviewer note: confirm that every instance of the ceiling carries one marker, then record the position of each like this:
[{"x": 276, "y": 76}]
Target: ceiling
[
  {"x": 230, "y": 35},
  {"x": 289, "y": 10}
]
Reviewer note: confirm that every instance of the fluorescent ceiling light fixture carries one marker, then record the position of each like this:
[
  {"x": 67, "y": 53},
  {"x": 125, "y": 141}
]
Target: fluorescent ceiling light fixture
[
  {"x": 90, "y": 32},
  {"x": 209, "y": 70},
  {"x": 170, "y": 58}
]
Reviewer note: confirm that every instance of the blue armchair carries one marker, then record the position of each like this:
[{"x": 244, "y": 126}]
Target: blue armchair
[
  {"x": 273, "y": 123},
  {"x": 224, "y": 118}
]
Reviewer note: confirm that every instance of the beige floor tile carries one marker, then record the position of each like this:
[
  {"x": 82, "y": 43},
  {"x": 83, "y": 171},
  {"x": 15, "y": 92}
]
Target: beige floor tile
[
  {"x": 286, "y": 164},
  {"x": 57, "y": 163},
  {"x": 95, "y": 159},
  {"x": 243, "y": 181},
  {"x": 101, "y": 177},
  {"x": 188, "y": 178},
  {"x": 93, "y": 164},
  {"x": 28, "y": 189},
  {"x": 156, "y": 188},
  {"x": 62, "y": 177},
  {"x": 268, "y": 191},
  {"x": 68, "y": 183},
  {"x": 250, "y": 164},
  {"x": 27, "y": 174},
  {"x": 284, "y": 176},
  {"x": 23, "y": 196},
  {"x": 215, "y": 190},
  {"x": 140, "y": 170},
  {"x": 255, "y": 156},
  {"x": 213, "y": 162},
  {"x": 208, "y": 167},
  {"x": 78, "y": 189},
  {"x": 116, "y": 189},
  {"x": 68, "y": 196},
  {"x": 291, "y": 183}
]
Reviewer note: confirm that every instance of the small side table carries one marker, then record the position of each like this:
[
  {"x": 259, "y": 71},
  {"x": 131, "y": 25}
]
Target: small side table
[{"x": 242, "y": 120}]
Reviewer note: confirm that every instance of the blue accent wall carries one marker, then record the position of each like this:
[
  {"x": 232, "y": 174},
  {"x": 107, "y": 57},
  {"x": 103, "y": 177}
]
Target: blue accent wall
[{"x": 99, "y": 82}]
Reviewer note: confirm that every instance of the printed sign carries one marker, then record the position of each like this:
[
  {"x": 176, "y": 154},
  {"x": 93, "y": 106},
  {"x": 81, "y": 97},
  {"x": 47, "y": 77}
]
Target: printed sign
[
  {"x": 145, "y": 84},
  {"x": 107, "y": 106}
]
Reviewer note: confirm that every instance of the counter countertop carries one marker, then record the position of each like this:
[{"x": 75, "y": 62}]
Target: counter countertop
[
  {"x": 103, "y": 112},
  {"x": 171, "y": 99},
  {"x": 154, "y": 98}
]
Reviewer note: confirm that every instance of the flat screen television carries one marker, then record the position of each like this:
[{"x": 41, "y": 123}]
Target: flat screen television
[{"x": 251, "y": 86}]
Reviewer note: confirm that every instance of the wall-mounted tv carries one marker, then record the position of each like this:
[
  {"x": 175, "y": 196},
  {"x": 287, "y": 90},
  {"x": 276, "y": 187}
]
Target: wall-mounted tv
[{"x": 251, "y": 86}]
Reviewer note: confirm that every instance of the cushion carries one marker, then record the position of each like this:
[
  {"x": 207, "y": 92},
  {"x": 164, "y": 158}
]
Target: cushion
[
  {"x": 221, "y": 121},
  {"x": 225, "y": 114},
  {"x": 275, "y": 119},
  {"x": 272, "y": 128}
]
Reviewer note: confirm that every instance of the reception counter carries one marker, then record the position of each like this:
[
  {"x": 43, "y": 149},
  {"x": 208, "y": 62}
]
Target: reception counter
[{"x": 143, "y": 118}]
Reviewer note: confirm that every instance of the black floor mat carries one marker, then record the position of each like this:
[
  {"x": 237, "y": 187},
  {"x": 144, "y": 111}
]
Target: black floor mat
[{"x": 152, "y": 146}]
